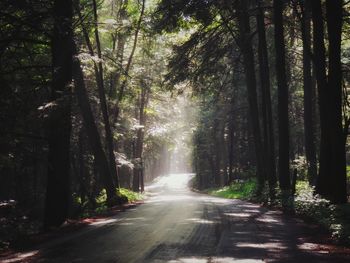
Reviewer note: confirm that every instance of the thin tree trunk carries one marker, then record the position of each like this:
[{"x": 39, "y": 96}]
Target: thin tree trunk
[
  {"x": 103, "y": 101},
  {"x": 269, "y": 142},
  {"x": 57, "y": 193},
  {"x": 92, "y": 131},
  {"x": 128, "y": 65},
  {"x": 248, "y": 61},
  {"x": 309, "y": 123},
  {"x": 120, "y": 45},
  {"x": 82, "y": 171},
  {"x": 319, "y": 59},
  {"x": 283, "y": 118},
  {"x": 138, "y": 173},
  {"x": 231, "y": 137}
]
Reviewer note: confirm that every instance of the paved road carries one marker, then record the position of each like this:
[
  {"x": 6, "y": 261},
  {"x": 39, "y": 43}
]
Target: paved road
[{"x": 177, "y": 225}]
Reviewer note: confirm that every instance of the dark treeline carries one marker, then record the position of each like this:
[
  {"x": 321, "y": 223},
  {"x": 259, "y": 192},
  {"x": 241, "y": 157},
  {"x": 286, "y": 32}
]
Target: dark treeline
[
  {"x": 271, "y": 78},
  {"x": 77, "y": 105}
]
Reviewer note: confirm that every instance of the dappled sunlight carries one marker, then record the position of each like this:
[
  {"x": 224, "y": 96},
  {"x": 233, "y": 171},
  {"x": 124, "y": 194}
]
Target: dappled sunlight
[
  {"x": 20, "y": 257},
  {"x": 268, "y": 245},
  {"x": 103, "y": 222},
  {"x": 238, "y": 214},
  {"x": 235, "y": 260},
  {"x": 267, "y": 220},
  {"x": 201, "y": 221},
  {"x": 189, "y": 260},
  {"x": 217, "y": 200},
  {"x": 214, "y": 260}
]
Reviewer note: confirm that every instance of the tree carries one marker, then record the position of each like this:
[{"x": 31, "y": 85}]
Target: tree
[
  {"x": 58, "y": 190},
  {"x": 92, "y": 131},
  {"x": 268, "y": 133},
  {"x": 283, "y": 123},
  {"x": 309, "y": 119},
  {"x": 248, "y": 62},
  {"x": 331, "y": 181}
]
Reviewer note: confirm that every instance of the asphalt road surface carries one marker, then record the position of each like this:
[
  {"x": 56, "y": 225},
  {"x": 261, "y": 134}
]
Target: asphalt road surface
[{"x": 177, "y": 225}]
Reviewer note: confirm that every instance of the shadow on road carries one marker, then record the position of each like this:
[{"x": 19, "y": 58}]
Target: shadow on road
[{"x": 177, "y": 225}]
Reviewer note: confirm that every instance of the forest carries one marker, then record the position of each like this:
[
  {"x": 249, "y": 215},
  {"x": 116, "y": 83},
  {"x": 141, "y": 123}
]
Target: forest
[{"x": 99, "y": 99}]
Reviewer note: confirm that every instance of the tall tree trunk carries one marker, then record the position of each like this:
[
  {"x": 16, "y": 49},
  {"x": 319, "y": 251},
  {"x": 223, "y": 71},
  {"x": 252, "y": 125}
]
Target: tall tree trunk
[
  {"x": 231, "y": 143},
  {"x": 309, "y": 118},
  {"x": 128, "y": 65},
  {"x": 138, "y": 172},
  {"x": 119, "y": 44},
  {"x": 224, "y": 153},
  {"x": 92, "y": 131},
  {"x": 103, "y": 102},
  {"x": 319, "y": 59},
  {"x": 57, "y": 193},
  {"x": 269, "y": 142},
  {"x": 283, "y": 118},
  {"x": 249, "y": 68},
  {"x": 336, "y": 190}
]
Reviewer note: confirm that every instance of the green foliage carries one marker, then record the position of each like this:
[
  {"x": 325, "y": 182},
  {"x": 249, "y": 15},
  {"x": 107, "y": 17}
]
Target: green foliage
[
  {"x": 101, "y": 201},
  {"x": 334, "y": 218},
  {"x": 123, "y": 192},
  {"x": 132, "y": 196},
  {"x": 240, "y": 189},
  {"x": 301, "y": 165},
  {"x": 348, "y": 172}
]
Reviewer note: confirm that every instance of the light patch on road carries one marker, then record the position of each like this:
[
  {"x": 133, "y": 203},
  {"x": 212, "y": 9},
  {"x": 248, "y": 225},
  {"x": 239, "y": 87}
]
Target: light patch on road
[
  {"x": 103, "y": 222},
  {"x": 235, "y": 260},
  {"x": 215, "y": 260},
  {"x": 20, "y": 257},
  {"x": 268, "y": 245},
  {"x": 267, "y": 220},
  {"x": 238, "y": 214},
  {"x": 172, "y": 181},
  {"x": 201, "y": 221},
  {"x": 166, "y": 198},
  {"x": 313, "y": 247},
  {"x": 189, "y": 260}
]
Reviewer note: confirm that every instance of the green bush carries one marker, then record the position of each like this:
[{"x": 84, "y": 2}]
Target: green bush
[
  {"x": 335, "y": 218},
  {"x": 132, "y": 196}
]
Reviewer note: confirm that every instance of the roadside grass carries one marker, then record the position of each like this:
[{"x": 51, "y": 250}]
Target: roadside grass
[
  {"x": 334, "y": 218},
  {"x": 239, "y": 190}
]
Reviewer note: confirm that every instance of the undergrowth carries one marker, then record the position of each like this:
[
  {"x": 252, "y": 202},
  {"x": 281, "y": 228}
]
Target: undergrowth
[
  {"x": 101, "y": 206},
  {"x": 238, "y": 190}
]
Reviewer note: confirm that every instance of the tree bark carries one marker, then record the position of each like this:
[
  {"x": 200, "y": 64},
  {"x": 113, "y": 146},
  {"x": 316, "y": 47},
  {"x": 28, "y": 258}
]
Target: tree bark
[
  {"x": 92, "y": 131},
  {"x": 283, "y": 118},
  {"x": 336, "y": 190},
  {"x": 57, "y": 193},
  {"x": 268, "y": 134},
  {"x": 128, "y": 65},
  {"x": 103, "y": 102},
  {"x": 119, "y": 44},
  {"x": 249, "y": 68},
  {"x": 319, "y": 59},
  {"x": 138, "y": 172},
  {"x": 231, "y": 143},
  {"x": 309, "y": 118}
]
